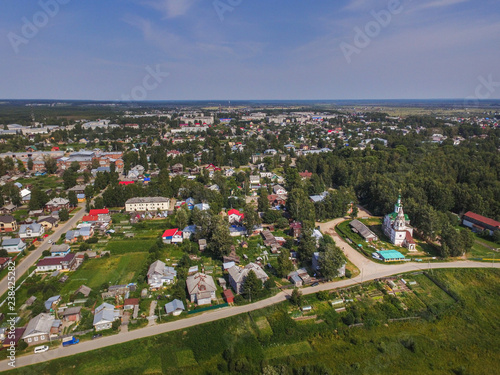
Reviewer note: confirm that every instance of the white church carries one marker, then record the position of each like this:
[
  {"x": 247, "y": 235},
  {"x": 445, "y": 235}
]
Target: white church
[{"x": 397, "y": 227}]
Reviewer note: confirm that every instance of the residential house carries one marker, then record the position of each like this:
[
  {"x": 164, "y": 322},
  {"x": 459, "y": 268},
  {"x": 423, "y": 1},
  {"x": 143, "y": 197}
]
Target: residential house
[
  {"x": 175, "y": 308},
  {"x": 52, "y": 302},
  {"x": 7, "y": 224},
  {"x": 8, "y": 209},
  {"x": 38, "y": 329},
  {"x": 56, "y": 263},
  {"x": 72, "y": 314},
  {"x": 201, "y": 288},
  {"x": 237, "y": 275},
  {"x": 189, "y": 231},
  {"x": 84, "y": 290},
  {"x": 254, "y": 180},
  {"x": 57, "y": 204},
  {"x": 130, "y": 303},
  {"x": 319, "y": 197},
  {"x": 31, "y": 230},
  {"x": 172, "y": 236},
  {"x": 295, "y": 229},
  {"x": 4, "y": 261},
  {"x": 305, "y": 175},
  {"x": 48, "y": 222},
  {"x": 59, "y": 250},
  {"x": 13, "y": 245},
  {"x": 177, "y": 168},
  {"x": 316, "y": 261},
  {"x": 202, "y": 206},
  {"x": 237, "y": 231},
  {"x": 99, "y": 212},
  {"x": 234, "y": 216},
  {"x": 84, "y": 232},
  {"x": 159, "y": 274},
  {"x": 279, "y": 190},
  {"x": 104, "y": 316},
  {"x": 202, "y": 243}
]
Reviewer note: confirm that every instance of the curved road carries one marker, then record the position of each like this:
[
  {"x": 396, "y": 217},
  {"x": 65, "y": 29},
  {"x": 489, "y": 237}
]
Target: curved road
[
  {"x": 370, "y": 271},
  {"x": 34, "y": 255}
]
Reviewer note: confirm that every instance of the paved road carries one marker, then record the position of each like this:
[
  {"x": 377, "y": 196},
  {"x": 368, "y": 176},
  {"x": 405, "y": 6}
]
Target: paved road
[
  {"x": 369, "y": 271},
  {"x": 34, "y": 255},
  {"x": 211, "y": 316}
]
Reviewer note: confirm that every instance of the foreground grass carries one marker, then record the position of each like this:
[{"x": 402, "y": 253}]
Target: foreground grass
[{"x": 461, "y": 338}]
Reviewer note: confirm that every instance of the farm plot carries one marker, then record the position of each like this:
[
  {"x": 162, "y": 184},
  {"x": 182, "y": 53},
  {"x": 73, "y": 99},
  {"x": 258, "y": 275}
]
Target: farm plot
[
  {"x": 429, "y": 293},
  {"x": 288, "y": 350}
]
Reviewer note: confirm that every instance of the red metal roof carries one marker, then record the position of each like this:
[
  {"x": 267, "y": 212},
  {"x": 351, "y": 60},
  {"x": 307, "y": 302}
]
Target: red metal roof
[
  {"x": 482, "y": 219},
  {"x": 90, "y": 218},
  {"x": 126, "y": 182},
  {"x": 170, "y": 232},
  {"x": 103, "y": 211},
  {"x": 235, "y": 212}
]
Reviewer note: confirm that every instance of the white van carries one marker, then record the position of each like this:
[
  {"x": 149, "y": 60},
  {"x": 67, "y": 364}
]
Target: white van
[{"x": 41, "y": 349}]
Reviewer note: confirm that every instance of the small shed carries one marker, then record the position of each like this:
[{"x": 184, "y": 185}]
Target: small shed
[
  {"x": 222, "y": 282},
  {"x": 228, "y": 296}
]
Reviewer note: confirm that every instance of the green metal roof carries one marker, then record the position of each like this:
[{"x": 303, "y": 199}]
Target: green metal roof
[{"x": 391, "y": 254}]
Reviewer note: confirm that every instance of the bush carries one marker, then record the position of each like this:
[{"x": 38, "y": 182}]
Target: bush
[
  {"x": 323, "y": 295},
  {"x": 116, "y": 324},
  {"x": 22, "y": 345},
  {"x": 348, "y": 274}
]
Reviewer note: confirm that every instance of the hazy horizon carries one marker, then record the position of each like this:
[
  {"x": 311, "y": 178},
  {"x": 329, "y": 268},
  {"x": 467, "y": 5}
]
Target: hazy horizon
[{"x": 197, "y": 50}]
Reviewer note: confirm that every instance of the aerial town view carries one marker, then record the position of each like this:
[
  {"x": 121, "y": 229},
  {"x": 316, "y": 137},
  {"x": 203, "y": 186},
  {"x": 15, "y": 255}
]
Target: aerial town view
[{"x": 236, "y": 187}]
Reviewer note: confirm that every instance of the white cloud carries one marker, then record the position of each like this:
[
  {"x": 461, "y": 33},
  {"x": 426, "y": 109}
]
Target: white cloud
[
  {"x": 171, "y": 8},
  {"x": 439, "y": 4}
]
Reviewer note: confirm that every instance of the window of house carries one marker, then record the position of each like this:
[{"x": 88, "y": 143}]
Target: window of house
[{"x": 36, "y": 339}]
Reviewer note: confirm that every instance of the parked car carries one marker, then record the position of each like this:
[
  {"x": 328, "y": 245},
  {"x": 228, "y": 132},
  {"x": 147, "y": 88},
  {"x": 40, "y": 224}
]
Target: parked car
[
  {"x": 41, "y": 349},
  {"x": 97, "y": 336},
  {"x": 315, "y": 284}
]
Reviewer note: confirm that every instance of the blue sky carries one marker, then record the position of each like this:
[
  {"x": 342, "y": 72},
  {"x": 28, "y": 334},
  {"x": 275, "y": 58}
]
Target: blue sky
[{"x": 279, "y": 49}]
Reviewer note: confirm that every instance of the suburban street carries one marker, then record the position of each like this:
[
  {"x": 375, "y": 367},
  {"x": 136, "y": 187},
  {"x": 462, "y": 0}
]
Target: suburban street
[{"x": 34, "y": 255}]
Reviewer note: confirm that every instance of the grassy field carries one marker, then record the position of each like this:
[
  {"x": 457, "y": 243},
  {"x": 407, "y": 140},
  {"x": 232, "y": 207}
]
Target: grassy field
[
  {"x": 462, "y": 339},
  {"x": 429, "y": 293},
  {"x": 115, "y": 270},
  {"x": 484, "y": 249}
]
